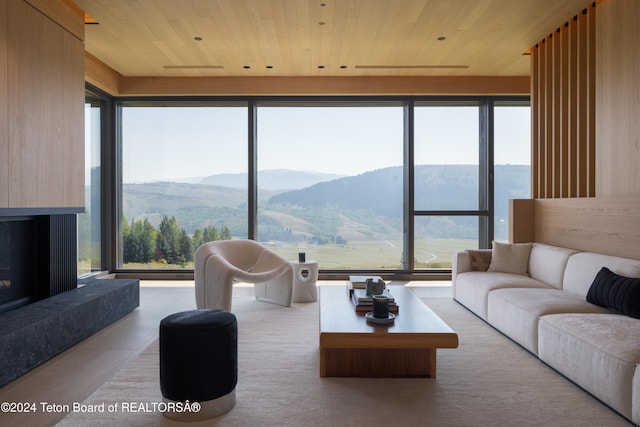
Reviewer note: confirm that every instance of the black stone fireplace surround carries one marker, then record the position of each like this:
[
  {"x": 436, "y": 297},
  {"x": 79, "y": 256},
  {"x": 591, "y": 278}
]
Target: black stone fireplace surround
[
  {"x": 49, "y": 312},
  {"x": 38, "y": 258}
]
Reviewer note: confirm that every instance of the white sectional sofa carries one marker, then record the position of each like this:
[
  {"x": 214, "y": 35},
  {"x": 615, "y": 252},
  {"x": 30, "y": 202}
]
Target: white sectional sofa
[{"x": 536, "y": 294}]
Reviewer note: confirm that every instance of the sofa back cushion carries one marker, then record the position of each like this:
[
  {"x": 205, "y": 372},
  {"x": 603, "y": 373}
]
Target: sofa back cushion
[
  {"x": 510, "y": 258},
  {"x": 583, "y": 267},
  {"x": 547, "y": 263}
]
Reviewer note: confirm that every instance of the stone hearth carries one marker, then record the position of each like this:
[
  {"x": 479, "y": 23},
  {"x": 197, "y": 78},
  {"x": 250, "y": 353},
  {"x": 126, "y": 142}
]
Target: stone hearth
[{"x": 35, "y": 333}]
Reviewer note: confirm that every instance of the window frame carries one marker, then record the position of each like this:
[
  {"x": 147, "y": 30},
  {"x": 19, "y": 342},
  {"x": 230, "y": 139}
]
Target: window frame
[
  {"x": 408, "y": 272},
  {"x": 105, "y": 102}
]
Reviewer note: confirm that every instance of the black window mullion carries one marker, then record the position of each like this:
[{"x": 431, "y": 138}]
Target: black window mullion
[
  {"x": 252, "y": 173},
  {"x": 117, "y": 199},
  {"x": 490, "y": 174},
  {"x": 485, "y": 171},
  {"x": 409, "y": 205}
]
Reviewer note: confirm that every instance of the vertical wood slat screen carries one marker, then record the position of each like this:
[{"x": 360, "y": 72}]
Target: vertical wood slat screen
[{"x": 563, "y": 110}]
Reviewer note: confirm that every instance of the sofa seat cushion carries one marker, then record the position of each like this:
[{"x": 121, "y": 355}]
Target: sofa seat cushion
[
  {"x": 473, "y": 287},
  {"x": 515, "y": 311},
  {"x": 599, "y": 352},
  {"x": 636, "y": 397}
]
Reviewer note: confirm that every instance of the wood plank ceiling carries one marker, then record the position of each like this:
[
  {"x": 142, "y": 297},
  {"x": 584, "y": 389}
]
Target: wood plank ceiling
[{"x": 229, "y": 38}]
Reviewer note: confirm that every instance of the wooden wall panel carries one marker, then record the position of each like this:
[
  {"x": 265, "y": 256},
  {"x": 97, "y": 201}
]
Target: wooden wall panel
[
  {"x": 46, "y": 111},
  {"x": 555, "y": 142},
  {"x": 4, "y": 132},
  {"x": 618, "y": 97},
  {"x": 363, "y": 85},
  {"x": 535, "y": 123},
  {"x": 608, "y": 225},
  {"x": 561, "y": 143},
  {"x": 100, "y": 75},
  {"x": 572, "y": 110},
  {"x": 549, "y": 119},
  {"x": 563, "y": 102},
  {"x": 63, "y": 12},
  {"x": 586, "y": 104},
  {"x": 582, "y": 176},
  {"x": 521, "y": 220}
]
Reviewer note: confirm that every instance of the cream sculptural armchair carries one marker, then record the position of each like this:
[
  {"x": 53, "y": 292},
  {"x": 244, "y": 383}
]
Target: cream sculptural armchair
[{"x": 221, "y": 263}]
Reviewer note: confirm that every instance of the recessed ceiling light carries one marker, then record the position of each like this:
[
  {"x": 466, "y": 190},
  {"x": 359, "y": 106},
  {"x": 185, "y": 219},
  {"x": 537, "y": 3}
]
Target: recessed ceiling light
[
  {"x": 343, "y": 66},
  {"x": 320, "y": 66},
  {"x": 441, "y": 38},
  {"x": 88, "y": 19},
  {"x": 197, "y": 38},
  {"x": 321, "y": 23},
  {"x": 269, "y": 66},
  {"x": 246, "y": 67}
]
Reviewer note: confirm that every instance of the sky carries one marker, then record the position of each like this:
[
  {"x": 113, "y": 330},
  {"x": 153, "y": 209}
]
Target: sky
[{"x": 183, "y": 142}]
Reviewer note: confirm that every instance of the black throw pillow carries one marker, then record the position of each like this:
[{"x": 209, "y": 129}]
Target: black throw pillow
[{"x": 615, "y": 292}]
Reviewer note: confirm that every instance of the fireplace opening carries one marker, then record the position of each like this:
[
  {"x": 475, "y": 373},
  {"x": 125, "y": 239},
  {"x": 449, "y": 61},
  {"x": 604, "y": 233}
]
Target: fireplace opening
[
  {"x": 17, "y": 269},
  {"x": 38, "y": 258}
]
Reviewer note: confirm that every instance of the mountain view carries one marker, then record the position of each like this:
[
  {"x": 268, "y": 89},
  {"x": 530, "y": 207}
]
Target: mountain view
[
  {"x": 343, "y": 222},
  {"x": 276, "y": 179},
  {"x": 311, "y": 206}
]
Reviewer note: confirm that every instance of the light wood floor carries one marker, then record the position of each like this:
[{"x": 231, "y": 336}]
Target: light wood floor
[{"x": 76, "y": 373}]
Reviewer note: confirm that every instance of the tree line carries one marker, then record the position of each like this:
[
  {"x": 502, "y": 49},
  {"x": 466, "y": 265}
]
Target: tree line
[{"x": 170, "y": 244}]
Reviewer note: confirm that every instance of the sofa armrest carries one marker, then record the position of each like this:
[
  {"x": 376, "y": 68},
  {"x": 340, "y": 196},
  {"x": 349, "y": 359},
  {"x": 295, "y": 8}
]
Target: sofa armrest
[{"x": 462, "y": 262}]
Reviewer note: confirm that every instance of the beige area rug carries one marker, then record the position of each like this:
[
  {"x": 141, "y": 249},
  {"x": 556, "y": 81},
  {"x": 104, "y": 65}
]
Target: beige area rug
[{"x": 487, "y": 381}]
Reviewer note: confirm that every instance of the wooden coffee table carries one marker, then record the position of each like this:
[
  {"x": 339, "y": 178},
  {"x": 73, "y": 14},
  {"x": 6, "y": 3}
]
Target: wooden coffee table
[{"x": 350, "y": 346}]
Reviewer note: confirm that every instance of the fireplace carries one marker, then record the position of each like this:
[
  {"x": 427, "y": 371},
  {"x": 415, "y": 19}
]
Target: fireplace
[
  {"x": 37, "y": 258},
  {"x": 16, "y": 264},
  {"x": 43, "y": 312}
]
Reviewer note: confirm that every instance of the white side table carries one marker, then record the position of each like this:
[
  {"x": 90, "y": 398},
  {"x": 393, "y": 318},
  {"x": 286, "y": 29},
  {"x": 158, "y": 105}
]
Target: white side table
[{"x": 305, "y": 275}]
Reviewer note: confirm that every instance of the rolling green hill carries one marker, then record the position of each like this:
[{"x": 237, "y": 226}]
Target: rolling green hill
[
  {"x": 274, "y": 179},
  {"x": 437, "y": 187},
  {"x": 193, "y": 205},
  {"x": 362, "y": 207}
]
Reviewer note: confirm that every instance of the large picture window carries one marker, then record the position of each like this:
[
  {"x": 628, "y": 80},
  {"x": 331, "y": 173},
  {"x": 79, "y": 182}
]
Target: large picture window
[
  {"x": 447, "y": 143},
  {"x": 184, "y": 181},
  {"x": 388, "y": 185},
  {"x": 448, "y": 197},
  {"x": 512, "y": 161},
  {"x": 330, "y": 183},
  {"x": 90, "y": 222}
]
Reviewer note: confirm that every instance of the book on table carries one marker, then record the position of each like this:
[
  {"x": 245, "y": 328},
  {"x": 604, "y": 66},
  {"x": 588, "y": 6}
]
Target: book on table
[
  {"x": 365, "y": 304},
  {"x": 360, "y": 282},
  {"x": 361, "y": 296}
]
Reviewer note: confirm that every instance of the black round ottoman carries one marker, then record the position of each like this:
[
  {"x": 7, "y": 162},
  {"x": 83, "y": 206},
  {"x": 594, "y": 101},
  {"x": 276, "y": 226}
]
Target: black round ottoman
[{"x": 198, "y": 363}]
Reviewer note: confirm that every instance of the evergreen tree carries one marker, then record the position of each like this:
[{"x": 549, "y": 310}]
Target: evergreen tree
[
  {"x": 128, "y": 243},
  {"x": 225, "y": 233},
  {"x": 168, "y": 240},
  {"x": 186, "y": 247},
  {"x": 142, "y": 243},
  {"x": 124, "y": 227},
  {"x": 138, "y": 241},
  {"x": 148, "y": 241},
  {"x": 210, "y": 234},
  {"x": 197, "y": 238}
]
